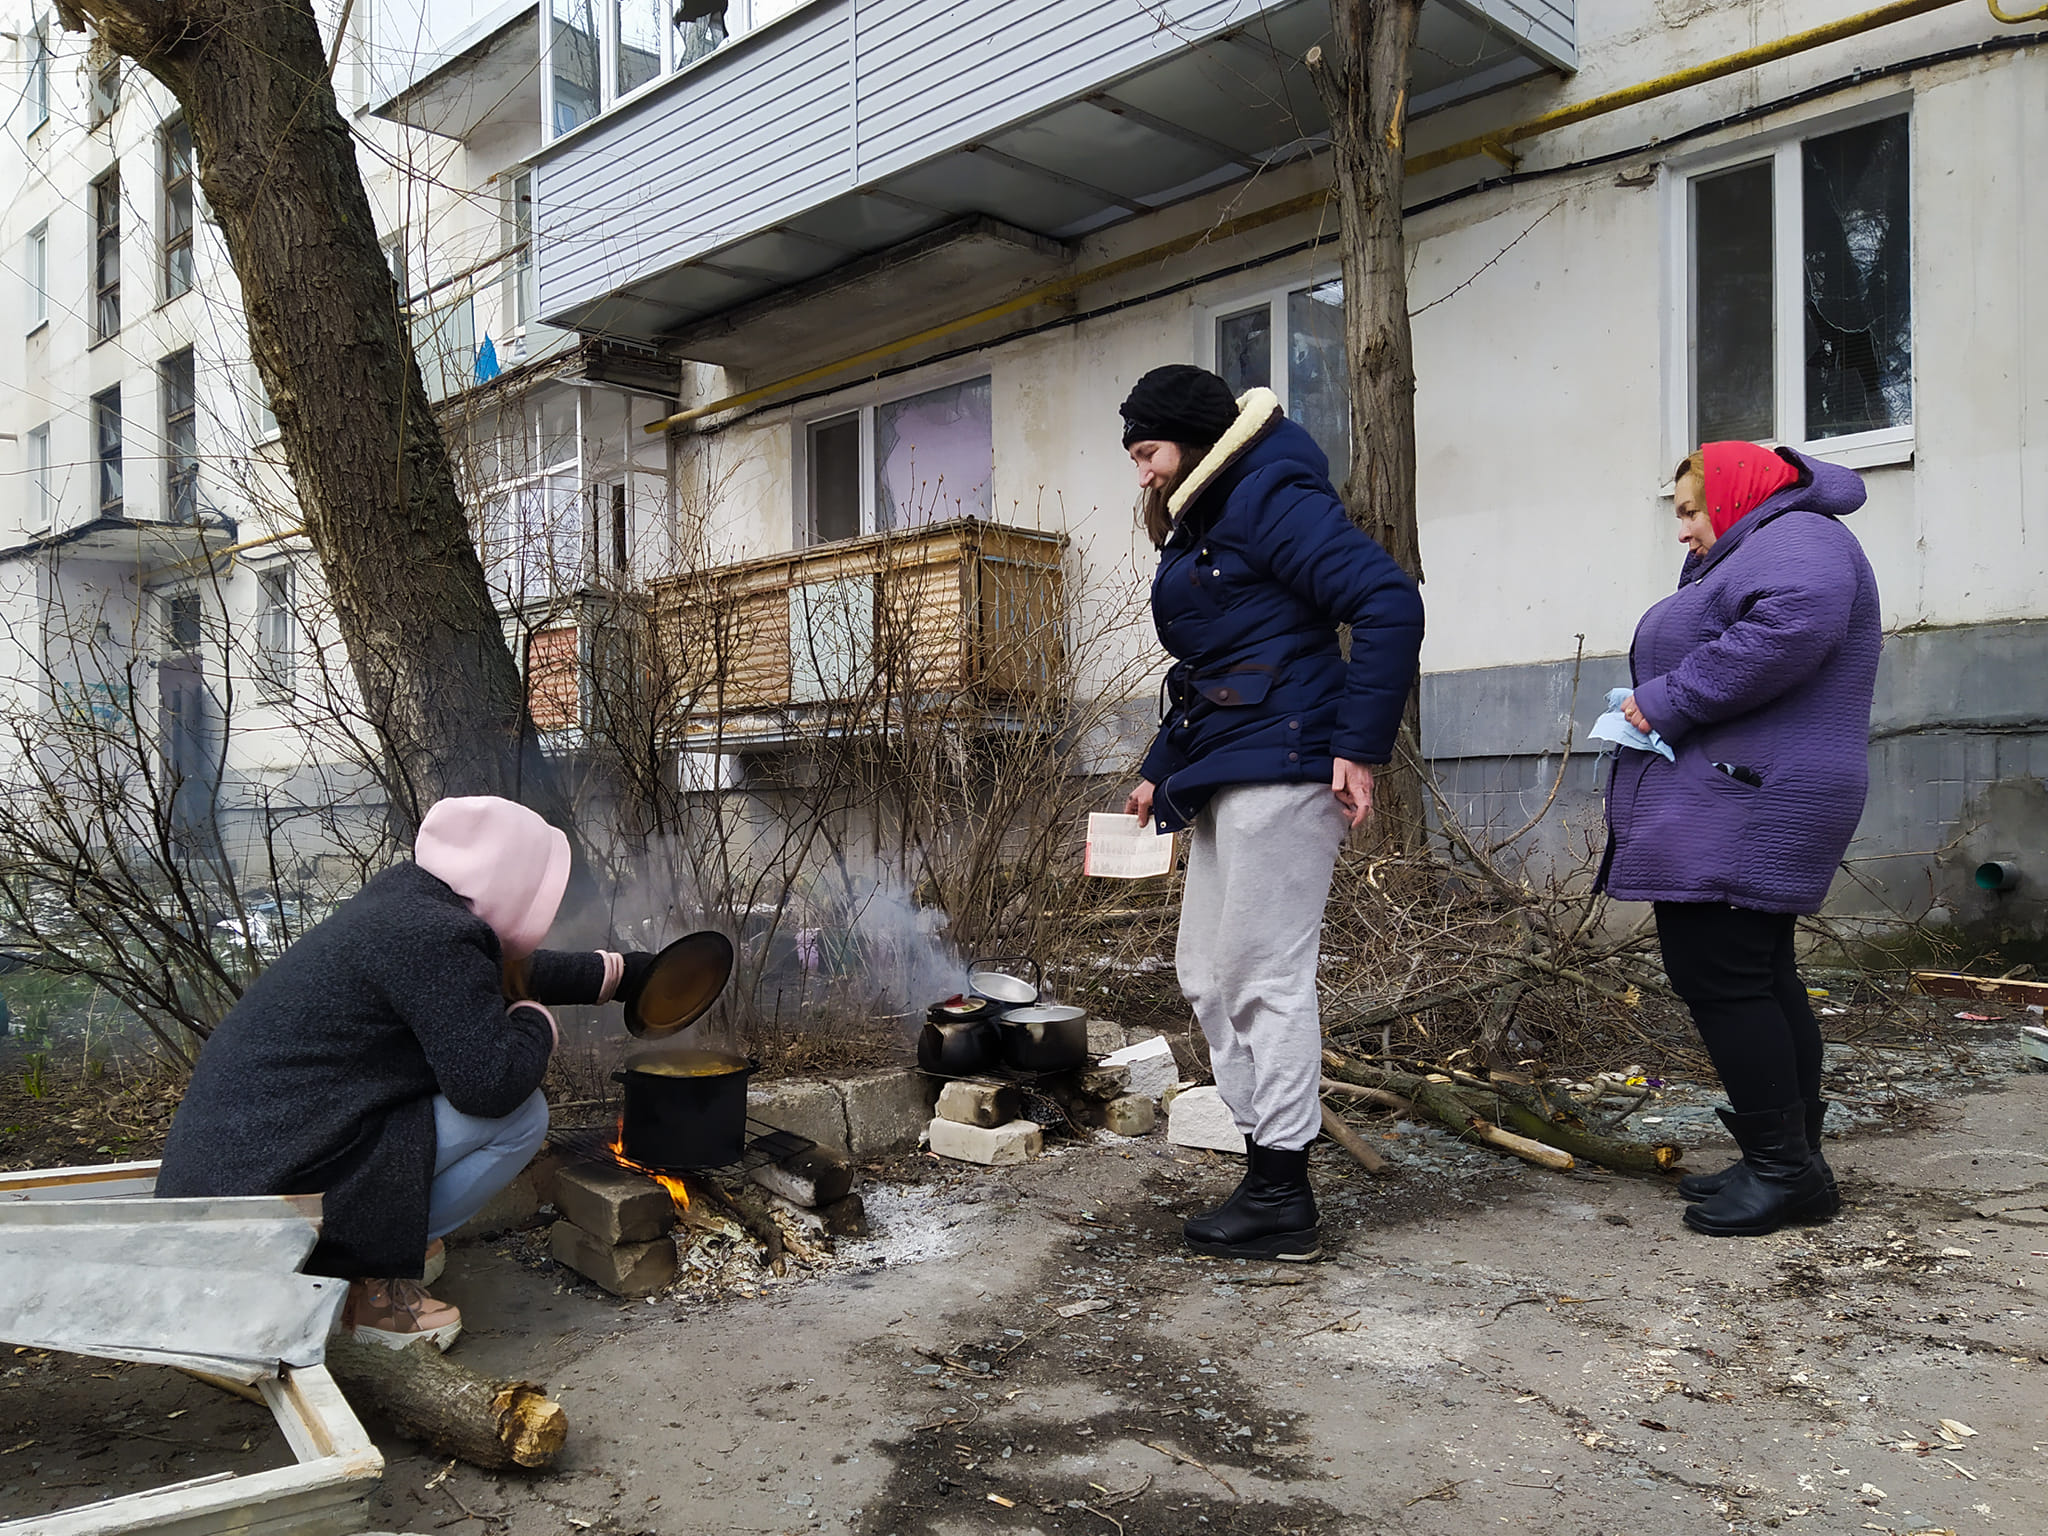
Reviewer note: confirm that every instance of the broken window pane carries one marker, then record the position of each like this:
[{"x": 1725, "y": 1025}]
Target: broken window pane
[
  {"x": 1733, "y": 335},
  {"x": 1244, "y": 349},
  {"x": 835, "y": 479},
  {"x": 934, "y": 456},
  {"x": 1318, "y": 384},
  {"x": 1859, "y": 330}
]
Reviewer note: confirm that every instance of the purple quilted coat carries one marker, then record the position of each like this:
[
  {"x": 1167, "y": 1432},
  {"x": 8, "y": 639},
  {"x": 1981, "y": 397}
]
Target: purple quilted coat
[{"x": 1764, "y": 660}]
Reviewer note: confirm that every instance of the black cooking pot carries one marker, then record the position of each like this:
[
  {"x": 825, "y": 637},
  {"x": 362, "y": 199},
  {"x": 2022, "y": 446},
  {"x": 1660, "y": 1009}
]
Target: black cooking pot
[
  {"x": 959, "y": 1038},
  {"x": 685, "y": 1109},
  {"x": 1048, "y": 1037}
]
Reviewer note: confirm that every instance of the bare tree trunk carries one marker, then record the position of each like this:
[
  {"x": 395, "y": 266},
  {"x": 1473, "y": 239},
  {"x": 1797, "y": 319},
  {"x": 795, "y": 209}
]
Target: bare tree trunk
[
  {"x": 1362, "y": 78},
  {"x": 330, "y": 340}
]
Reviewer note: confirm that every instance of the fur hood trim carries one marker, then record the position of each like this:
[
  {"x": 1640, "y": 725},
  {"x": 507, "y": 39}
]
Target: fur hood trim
[{"x": 1257, "y": 409}]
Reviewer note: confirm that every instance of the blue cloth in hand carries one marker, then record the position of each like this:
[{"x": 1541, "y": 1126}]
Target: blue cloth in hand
[{"x": 1613, "y": 726}]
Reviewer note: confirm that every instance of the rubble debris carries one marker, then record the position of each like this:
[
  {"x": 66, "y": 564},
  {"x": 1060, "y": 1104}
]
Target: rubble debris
[
  {"x": 613, "y": 1206},
  {"x": 967, "y": 1102},
  {"x": 1150, "y": 1066},
  {"x": 624, "y": 1269},
  {"x": 846, "y": 1217},
  {"x": 2034, "y": 1048},
  {"x": 1199, "y": 1118},
  {"x": 1011, "y": 1143}
]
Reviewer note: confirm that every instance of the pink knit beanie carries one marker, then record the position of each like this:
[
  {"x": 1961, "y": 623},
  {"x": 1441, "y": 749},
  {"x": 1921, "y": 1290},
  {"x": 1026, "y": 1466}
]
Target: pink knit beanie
[{"x": 507, "y": 863}]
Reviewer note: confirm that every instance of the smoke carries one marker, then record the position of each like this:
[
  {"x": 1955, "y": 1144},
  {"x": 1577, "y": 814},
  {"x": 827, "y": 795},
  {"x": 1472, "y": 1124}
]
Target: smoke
[{"x": 906, "y": 962}]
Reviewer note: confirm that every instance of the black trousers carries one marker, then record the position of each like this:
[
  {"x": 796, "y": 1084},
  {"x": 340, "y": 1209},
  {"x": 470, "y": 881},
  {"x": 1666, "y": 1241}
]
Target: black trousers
[{"x": 1735, "y": 970}]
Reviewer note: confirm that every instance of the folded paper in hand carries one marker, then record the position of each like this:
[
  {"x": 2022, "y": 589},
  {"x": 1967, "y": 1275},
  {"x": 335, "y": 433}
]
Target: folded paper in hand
[
  {"x": 1125, "y": 848},
  {"x": 1613, "y": 726}
]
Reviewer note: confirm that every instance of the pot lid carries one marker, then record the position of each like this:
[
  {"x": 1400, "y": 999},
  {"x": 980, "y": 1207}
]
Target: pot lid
[
  {"x": 687, "y": 977},
  {"x": 1045, "y": 1013}
]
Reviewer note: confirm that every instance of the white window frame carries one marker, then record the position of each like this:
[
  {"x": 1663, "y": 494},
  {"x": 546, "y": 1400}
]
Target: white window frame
[
  {"x": 1235, "y": 300},
  {"x": 277, "y": 632},
  {"x": 739, "y": 21},
  {"x": 43, "y": 500},
  {"x": 499, "y": 510},
  {"x": 37, "y": 87},
  {"x": 522, "y": 274},
  {"x": 1781, "y": 147},
  {"x": 37, "y": 261},
  {"x": 866, "y": 402}
]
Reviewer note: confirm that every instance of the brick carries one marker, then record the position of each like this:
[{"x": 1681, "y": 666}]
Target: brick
[
  {"x": 1105, "y": 1082},
  {"x": 846, "y": 1217},
  {"x": 1149, "y": 1065},
  {"x": 614, "y": 1205},
  {"x": 809, "y": 1179},
  {"x": 1131, "y": 1115},
  {"x": 627, "y": 1269},
  {"x": 885, "y": 1111},
  {"x": 1011, "y": 1143},
  {"x": 983, "y": 1104},
  {"x": 1200, "y": 1118},
  {"x": 516, "y": 1205}
]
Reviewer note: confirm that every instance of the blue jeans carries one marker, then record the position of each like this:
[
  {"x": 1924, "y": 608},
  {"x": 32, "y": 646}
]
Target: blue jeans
[{"x": 474, "y": 1158}]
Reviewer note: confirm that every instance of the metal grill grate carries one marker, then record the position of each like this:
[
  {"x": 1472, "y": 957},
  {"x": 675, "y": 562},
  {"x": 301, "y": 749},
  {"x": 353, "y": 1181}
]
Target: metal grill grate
[{"x": 765, "y": 1144}]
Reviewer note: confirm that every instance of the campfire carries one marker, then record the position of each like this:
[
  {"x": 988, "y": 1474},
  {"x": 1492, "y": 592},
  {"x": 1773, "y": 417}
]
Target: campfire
[{"x": 677, "y": 1185}]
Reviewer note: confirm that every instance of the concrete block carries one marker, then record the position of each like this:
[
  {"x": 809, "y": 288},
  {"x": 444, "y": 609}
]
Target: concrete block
[
  {"x": 812, "y": 1110},
  {"x": 516, "y": 1205},
  {"x": 1011, "y": 1143},
  {"x": 846, "y": 1217},
  {"x": 614, "y": 1205},
  {"x": 1104, "y": 1036},
  {"x": 983, "y": 1104},
  {"x": 1149, "y": 1064},
  {"x": 1131, "y": 1115},
  {"x": 809, "y": 1179},
  {"x": 547, "y": 1162},
  {"x": 628, "y": 1269},
  {"x": 1200, "y": 1118},
  {"x": 885, "y": 1111},
  {"x": 1105, "y": 1082}
]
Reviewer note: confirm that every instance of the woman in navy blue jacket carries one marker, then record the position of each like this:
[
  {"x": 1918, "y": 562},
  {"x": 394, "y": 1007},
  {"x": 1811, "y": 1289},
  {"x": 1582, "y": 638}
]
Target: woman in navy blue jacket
[{"x": 1263, "y": 751}]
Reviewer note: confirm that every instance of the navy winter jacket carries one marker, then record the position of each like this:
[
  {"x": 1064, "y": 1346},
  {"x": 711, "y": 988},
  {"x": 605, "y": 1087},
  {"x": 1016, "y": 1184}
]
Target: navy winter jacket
[{"x": 1260, "y": 568}]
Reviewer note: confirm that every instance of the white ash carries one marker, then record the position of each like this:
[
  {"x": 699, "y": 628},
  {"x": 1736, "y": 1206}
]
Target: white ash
[{"x": 907, "y": 1225}]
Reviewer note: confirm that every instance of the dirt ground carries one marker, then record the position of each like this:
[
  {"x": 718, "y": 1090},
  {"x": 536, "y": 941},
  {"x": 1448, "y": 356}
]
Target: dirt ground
[{"x": 1031, "y": 1350}]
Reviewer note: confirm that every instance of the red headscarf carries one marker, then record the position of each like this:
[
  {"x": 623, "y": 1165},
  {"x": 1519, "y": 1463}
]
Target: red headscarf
[{"x": 1739, "y": 478}]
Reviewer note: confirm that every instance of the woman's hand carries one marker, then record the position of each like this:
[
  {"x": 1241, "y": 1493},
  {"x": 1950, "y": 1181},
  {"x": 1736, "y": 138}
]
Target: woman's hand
[
  {"x": 1140, "y": 802},
  {"x": 1634, "y": 716},
  {"x": 1352, "y": 784}
]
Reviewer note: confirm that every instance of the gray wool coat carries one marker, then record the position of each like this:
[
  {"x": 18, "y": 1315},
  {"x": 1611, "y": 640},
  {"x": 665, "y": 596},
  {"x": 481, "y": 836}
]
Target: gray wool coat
[{"x": 321, "y": 1079}]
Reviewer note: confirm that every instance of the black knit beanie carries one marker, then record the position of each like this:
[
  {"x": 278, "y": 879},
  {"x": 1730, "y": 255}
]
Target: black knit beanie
[{"x": 1178, "y": 404}]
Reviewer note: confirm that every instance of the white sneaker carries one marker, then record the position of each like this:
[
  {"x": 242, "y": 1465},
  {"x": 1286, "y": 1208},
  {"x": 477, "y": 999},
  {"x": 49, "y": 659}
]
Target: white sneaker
[{"x": 397, "y": 1313}]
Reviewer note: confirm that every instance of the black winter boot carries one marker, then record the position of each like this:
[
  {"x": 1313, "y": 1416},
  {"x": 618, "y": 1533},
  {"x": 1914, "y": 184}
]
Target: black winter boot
[
  {"x": 1779, "y": 1179},
  {"x": 1271, "y": 1216},
  {"x": 1698, "y": 1186}
]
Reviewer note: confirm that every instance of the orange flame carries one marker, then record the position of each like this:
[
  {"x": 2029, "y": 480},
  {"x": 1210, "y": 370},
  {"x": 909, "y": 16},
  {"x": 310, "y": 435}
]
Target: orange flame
[{"x": 678, "y": 1189}]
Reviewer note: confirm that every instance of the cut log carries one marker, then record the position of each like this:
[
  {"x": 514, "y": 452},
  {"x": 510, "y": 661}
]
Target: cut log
[
  {"x": 491, "y": 1424},
  {"x": 1522, "y": 1146},
  {"x": 1348, "y": 1139}
]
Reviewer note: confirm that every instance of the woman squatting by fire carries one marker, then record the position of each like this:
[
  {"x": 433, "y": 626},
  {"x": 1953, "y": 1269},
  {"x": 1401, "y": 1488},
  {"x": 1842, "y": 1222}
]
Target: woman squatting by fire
[
  {"x": 1263, "y": 751},
  {"x": 391, "y": 1059}
]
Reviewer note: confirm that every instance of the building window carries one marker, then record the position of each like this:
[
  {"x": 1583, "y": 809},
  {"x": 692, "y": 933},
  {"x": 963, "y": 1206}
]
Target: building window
[
  {"x": 181, "y": 438},
  {"x": 276, "y": 633},
  {"x": 38, "y": 85},
  {"x": 1798, "y": 321},
  {"x": 923, "y": 458},
  {"x": 572, "y": 64},
  {"x": 36, "y": 267},
  {"x": 636, "y": 47},
  {"x": 106, "y": 436},
  {"x": 176, "y": 141},
  {"x": 262, "y": 419},
  {"x": 1291, "y": 341},
  {"x": 519, "y": 300},
  {"x": 536, "y": 532},
  {"x": 106, "y": 267},
  {"x": 106, "y": 90},
  {"x": 394, "y": 257},
  {"x": 42, "y": 500},
  {"x": 621, "y": 529}
]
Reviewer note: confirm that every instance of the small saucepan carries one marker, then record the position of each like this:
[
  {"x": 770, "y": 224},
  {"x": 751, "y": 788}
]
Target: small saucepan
[
  {"x": 986, "y": 978},
  {"x": 1046, "y": 1037},
  {"x": 686, "y": 979}
]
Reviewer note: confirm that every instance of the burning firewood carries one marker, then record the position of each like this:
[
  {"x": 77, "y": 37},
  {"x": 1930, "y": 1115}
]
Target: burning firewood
[{"x": 491, "y": 1424}]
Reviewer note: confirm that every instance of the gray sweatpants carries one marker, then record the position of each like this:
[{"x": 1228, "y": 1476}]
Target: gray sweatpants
[{"x": 1251, "y": 928}]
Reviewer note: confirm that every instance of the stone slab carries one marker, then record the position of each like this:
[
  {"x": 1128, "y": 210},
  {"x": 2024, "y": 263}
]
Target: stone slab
[
  {"x": 992, "y": 1147},
  {"x": 629, "y": 1269},
  {"x": 1149, "y": 1064},
  {"x": 613, "y": 1205},
  {"x": 885, "y": 1111},
  {"x": 1200, "y": 1118},
  {"x": 811, "y": 1109},
  {"x": 983, "y": 1104}
]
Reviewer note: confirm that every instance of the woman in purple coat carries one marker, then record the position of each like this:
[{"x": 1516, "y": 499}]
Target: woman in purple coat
[{"x": 1758, "y": 673}]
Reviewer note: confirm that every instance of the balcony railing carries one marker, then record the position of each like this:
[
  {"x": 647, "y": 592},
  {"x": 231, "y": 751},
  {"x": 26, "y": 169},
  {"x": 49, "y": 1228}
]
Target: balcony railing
[{"x": 838, "y": 636}]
